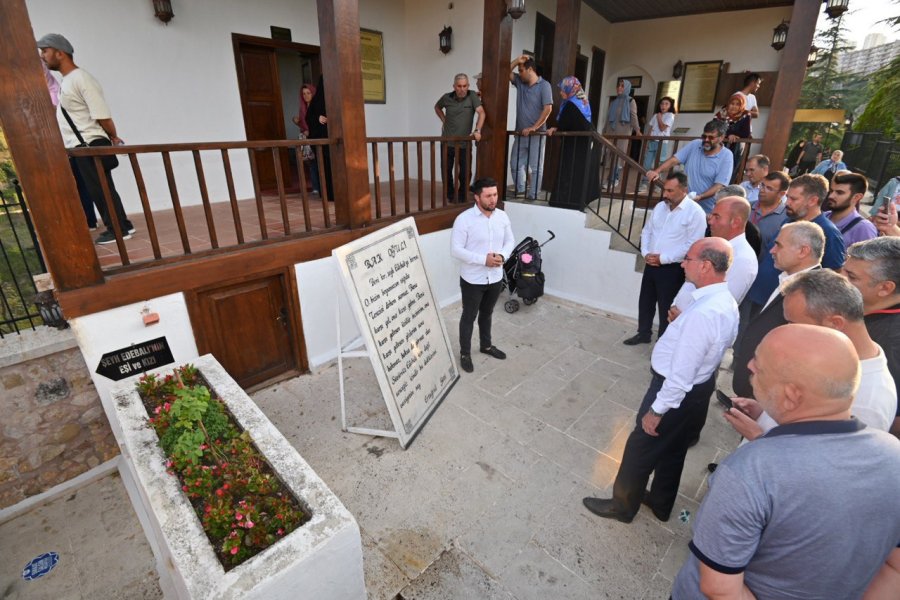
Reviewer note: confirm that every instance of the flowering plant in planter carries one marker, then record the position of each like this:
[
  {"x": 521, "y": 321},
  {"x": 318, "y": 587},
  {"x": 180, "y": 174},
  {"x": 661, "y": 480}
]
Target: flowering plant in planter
[{"x": 242, "y": 505}]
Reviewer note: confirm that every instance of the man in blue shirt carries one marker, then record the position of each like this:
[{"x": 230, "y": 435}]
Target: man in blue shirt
[
  {"x": 707, "y": 164},
  {"x": 534, "y": 101}
]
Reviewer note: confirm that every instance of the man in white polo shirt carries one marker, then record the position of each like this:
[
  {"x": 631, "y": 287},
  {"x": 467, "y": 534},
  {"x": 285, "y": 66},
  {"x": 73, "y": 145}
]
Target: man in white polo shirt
[{"x": 481, "y": 240}]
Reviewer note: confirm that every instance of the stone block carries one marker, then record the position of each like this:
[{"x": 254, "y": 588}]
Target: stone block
[
  {"x": 92, "y": 414},
  {"x": 12, "y": 380},
  {"x": 67, "y": 433},
  {"x": 52, "y": 391},
  {"x": 48, "y": 453}
]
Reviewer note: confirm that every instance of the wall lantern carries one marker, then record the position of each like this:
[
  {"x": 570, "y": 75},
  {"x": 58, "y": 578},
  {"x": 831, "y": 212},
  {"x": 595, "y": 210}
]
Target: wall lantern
[
  {"x": 446, "y": 39},
  {"x": 163, "y": 10},
  {"x": 779, "y": 37},
  {"x": 516, "y": 8},
  {"x": 813, "y": 55},
  {"x": 50, "y": 311},
  {"x": 835, "y": 8}
]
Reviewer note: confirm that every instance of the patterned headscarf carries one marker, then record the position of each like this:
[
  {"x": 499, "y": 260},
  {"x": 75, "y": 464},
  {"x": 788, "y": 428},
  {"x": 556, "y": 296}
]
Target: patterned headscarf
[{"x": 572, "y": 87}]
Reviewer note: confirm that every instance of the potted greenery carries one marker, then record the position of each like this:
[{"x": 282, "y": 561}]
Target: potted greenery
[{"x": 229, "y": 506}]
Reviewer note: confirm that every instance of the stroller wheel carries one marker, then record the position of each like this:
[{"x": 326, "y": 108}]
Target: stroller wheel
[
  {"x": 529, "y": 301},
  {"x": 511, "y": 306}
]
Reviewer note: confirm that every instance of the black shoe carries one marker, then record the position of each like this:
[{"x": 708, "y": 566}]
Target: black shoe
[
  {"x": 637, "y": 339},
  {"x": 108, "y": 237},
  {"x": 606, "y": 509},
  {"x": 711, "y": 467},
  {"x": 662, "y": 516},
  {"x": 494, "y": 351},
  {"x": 129, "y": 227},
  {"x": 465, "y": 361}
]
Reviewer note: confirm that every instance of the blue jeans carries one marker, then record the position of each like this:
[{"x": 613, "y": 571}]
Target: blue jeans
[
  {"x": 650, "y": 155},
  {"x": 528, "y": 152}
]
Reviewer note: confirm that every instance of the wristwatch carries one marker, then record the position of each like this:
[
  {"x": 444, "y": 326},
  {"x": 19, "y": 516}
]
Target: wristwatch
[
  {"x": 654, "y": 413},
  {"x": 476, "y": 131}
]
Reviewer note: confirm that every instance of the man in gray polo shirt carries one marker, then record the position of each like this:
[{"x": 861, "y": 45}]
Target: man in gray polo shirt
[
  {"x": 455, "y": 110},
  {"x": 810, "y": 509},
  {"x": 534, "y": 101}
]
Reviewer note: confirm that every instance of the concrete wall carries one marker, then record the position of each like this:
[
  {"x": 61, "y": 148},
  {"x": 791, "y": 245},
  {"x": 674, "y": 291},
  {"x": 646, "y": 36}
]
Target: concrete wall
[{"x": 53, "y": 425}]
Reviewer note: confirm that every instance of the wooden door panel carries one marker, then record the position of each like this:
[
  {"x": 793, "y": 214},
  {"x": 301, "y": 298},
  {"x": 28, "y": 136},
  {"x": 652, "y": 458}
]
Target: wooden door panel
[{"x": 246, "y": 327}]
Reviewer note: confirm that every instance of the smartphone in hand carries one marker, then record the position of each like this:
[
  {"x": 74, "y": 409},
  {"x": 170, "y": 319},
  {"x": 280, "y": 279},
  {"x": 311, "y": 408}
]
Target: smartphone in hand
[{"x": 724, "y": 400}]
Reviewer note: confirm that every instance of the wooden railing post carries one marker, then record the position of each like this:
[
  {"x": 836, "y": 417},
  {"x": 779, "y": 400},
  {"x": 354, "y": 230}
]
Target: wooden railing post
[
  {"x": 32, "y": 133},
  {"x": 497, "y": 46},
  {"x": 339, "y": 40}
]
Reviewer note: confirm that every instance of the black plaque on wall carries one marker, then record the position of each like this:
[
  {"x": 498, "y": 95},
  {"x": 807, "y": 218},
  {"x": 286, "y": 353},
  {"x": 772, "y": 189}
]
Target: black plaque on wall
[{"x": 135, "y": 359}]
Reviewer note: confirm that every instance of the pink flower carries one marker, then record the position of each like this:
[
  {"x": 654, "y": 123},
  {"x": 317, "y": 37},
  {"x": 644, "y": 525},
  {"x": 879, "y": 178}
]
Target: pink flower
[
  {"x": 156, "y": 410},
  {"x": 249, "y": 524},
  {"x": 167, "y": 406},
  {"x": 184, "y": 488},
  {"x": 220, "y": 493},
  {"x": 234, "y": 550},
  {"x": 238, "y": 516},
  {"x": 280, "y": 531}
]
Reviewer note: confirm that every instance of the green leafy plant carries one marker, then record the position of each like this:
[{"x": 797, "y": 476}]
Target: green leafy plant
[{"x": 243, "y": 506}]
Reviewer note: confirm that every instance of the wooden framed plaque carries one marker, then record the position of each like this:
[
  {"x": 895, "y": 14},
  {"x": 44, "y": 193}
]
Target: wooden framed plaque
[
  {"x": 371, "y": 50},
  {"x": 698, "y": 89}
]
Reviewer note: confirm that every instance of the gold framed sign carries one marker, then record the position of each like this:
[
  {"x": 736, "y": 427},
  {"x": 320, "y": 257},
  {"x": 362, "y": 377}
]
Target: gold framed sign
[
  {"x": 698, "y": 89},
  {"x": 371, "y": 50}
]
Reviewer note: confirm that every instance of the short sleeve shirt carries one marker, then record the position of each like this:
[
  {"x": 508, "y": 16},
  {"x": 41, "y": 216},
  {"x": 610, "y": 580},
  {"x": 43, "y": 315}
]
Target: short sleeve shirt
[
  {"x": 703, "y": 171},
  {"x": 458, "y": 113},
  {"x": 810, "y": 152},
  {"x": 668, "y": 118},
  {"x": 82, "y": 97},
  {"x": 530, "y": 102}
]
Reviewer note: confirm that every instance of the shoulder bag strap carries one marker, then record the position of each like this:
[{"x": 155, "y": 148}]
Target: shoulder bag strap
[
  {"x": 72, "y": 125},
  {"x": 850, "y": 225}
]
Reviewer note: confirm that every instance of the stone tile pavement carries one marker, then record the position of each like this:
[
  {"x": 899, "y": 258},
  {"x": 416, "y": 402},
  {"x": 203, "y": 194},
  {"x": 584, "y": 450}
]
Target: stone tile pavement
[{"x": 486, "y": 502}]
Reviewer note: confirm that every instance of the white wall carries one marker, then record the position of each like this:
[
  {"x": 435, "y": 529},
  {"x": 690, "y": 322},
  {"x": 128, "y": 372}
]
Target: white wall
[{"x": 651, "y": 48}]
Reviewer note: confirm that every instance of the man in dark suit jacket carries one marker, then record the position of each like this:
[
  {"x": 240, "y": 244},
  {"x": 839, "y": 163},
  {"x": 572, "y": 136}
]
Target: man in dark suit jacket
[{"x": 799, "y": 247}]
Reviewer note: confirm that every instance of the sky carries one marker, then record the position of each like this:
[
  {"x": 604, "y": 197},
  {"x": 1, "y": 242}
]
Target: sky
[{"x": 863, "y": 17}]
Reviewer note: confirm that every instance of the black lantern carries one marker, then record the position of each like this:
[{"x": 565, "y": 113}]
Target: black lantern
[
  {"x": 50, "y": 311},
  {"x": 163, "y": 10},
  {"x": 779, "y": 37},
  {"x": 836, "y": 8},
  {"x": 678, "y": 70},
  {"x": 813, "y": 56},
  {"x": 446, "y": 39},
  {"x": 516, "y": 8}
]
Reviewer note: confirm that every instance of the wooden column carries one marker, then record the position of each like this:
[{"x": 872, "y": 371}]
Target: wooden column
[
  {"x": 340, "y": 54},
  {"x": 32, "y": 133},
  {"x": 565, "y": 45},
  {"x": 790, "y": 78},
  {"x": 496, "y": 56}
]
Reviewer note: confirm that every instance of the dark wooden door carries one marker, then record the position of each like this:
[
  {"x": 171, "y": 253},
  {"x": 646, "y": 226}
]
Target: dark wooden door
[
  {"x": 581, "y": 66},
  {"x": 595, "y": 87},
  {"x": 261, "y": 103},
  {"x": 247, "y": 326},
  {"x": 544, "y": 34}
]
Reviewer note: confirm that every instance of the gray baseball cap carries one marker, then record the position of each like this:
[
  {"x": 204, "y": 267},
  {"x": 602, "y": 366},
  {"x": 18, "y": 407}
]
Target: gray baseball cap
[{"x": 56, "y": 41}]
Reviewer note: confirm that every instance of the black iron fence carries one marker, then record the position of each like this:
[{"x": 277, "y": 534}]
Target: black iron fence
[
  {"x": 873, "y": 155},
  {"x": 20, "y": 261}
]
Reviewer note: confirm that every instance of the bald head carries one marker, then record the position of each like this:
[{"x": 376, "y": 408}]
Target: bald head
[
  {"x": 728, "y": 218},
  {"x": 707, "y": 261},
  {"x": 805, "y": 373}
]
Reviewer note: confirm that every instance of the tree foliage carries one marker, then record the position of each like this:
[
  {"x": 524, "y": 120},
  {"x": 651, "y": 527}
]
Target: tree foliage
[{"x": 883, "y": 111}]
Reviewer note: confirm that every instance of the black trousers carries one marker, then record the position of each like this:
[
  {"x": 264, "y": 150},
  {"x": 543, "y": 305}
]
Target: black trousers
[
  {"x": 659, "y": 286},
  {"x": 477, "y": 300},
  {"x": 89, "y": 178},
  {"x": 662, "y": 455},
  {"x": 455, "y": 187}
]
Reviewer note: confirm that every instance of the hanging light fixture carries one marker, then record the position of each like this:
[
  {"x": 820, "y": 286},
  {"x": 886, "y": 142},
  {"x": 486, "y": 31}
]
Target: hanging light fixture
[
  {"x": 516, "y": 8},
  {"x": 163, "y": 10},
  {"x": 779, "y": 36},
  {"x": 813, "y": 56},
  {"x": 445, "y": 39},
  {"x": 835, "y": 8},
  {"x": 49, "y": 309}
]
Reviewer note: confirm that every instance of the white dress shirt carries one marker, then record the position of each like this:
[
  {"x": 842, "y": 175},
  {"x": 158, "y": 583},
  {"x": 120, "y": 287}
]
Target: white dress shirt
[
  {"x": 692, "y": 347},
  {"x": 670, "y": 233},
  {"x": 474, "y": 236},
  {"x": 740, "y": 275}
]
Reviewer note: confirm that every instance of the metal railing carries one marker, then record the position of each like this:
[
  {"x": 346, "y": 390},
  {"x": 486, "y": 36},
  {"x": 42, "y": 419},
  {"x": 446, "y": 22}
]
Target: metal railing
[
  {"x": 215, "y": 223},
  {"x": 433, "y": 173},
  {"x": 20, "y": 261}
]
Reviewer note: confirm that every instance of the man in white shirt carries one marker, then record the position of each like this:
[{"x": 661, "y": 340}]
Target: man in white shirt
[
  {"x": 81, "y": 98},
  {"x": 481, "y": 240},
  {"x": 822, "y": 297},
  {"x": 799, "y": 247},
  {"x": 728, "y": 220},
  {"x": 673, "y": 226},
  {"x": 752, "y": 82},
  {"x": 673, "y": 412},
  {"x": 756, "y": 170}
]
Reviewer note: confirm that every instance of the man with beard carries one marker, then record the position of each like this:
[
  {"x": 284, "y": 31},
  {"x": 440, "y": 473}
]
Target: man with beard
[
  {"x": 481, "y": 240},
  {"x": 534, "y": 101},
  {"x": 805, "y": 197},
  {"x": 847, "y": 189},
  {"x": 707, "y": 164}
]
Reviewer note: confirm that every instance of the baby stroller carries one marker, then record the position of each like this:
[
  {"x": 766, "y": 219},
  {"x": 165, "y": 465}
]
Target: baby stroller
[{"x": 522, "y": 273}]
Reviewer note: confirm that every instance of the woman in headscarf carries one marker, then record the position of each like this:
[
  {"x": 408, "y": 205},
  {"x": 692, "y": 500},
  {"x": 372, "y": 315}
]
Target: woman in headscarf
[
  {"x": 830, "y": 166},
  {"x": 574, "y": 178},
  {"x": 737, "y": 118},
  {"x": 307, "y": 93},
  {"x": 621, "y": 119},
  {"x": 317, "y": 120}
]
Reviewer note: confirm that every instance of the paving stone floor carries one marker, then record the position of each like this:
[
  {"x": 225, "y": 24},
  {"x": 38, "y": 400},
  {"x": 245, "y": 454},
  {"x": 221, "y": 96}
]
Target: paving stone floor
[{"x": 486, "y": 501}]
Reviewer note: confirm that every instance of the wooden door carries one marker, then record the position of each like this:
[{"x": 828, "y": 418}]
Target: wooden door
[
  {"x": 595, "y": 87},
  {"x": 260, "y": 92},
  {"x": 544, "y": 34},
  {"x": 249, "y": 327}
]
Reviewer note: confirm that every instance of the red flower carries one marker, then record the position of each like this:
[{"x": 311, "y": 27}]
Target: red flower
[{"x": 234, "y": 550}]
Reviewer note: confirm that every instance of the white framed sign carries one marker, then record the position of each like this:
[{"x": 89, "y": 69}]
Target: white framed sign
[{"x": 400, "y": 322}]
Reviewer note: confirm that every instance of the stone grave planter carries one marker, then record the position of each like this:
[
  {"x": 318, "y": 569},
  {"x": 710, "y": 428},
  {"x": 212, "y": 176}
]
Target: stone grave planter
[{"x": 321, "y": 559}]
